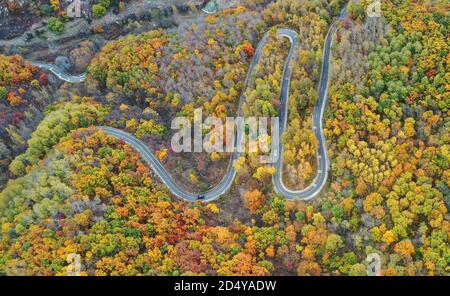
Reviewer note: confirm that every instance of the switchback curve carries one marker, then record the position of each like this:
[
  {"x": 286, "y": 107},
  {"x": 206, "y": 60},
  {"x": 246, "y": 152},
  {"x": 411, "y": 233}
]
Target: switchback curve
[{"x": 323, "y": 163}]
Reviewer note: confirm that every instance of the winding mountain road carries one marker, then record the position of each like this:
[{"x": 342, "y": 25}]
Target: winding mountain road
[
  {"x": 60, "y": 74},
  {"x": 224, "y": 185}
]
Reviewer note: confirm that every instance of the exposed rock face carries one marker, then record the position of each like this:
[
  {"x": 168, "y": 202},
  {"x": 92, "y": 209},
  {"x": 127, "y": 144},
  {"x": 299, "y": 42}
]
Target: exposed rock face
[
  {"x": 63, "y": 63},
  {"x": 82, "y": 55}
]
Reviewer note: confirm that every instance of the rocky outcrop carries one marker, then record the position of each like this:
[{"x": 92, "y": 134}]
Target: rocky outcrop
[
  {"x": 63, "y": 63},
  {"x": 82, "y": 55}
]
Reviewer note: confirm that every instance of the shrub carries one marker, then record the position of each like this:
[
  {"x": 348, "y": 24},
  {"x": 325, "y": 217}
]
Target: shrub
[
  {"x": 46, "y": 9},
  {"x": 56, "y": 25},
  {"x": 98, "y": 10}
]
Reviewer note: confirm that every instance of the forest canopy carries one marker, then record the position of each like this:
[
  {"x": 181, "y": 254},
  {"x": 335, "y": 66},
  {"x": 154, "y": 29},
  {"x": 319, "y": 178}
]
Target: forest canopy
[{"x": 72, "y": 189}]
